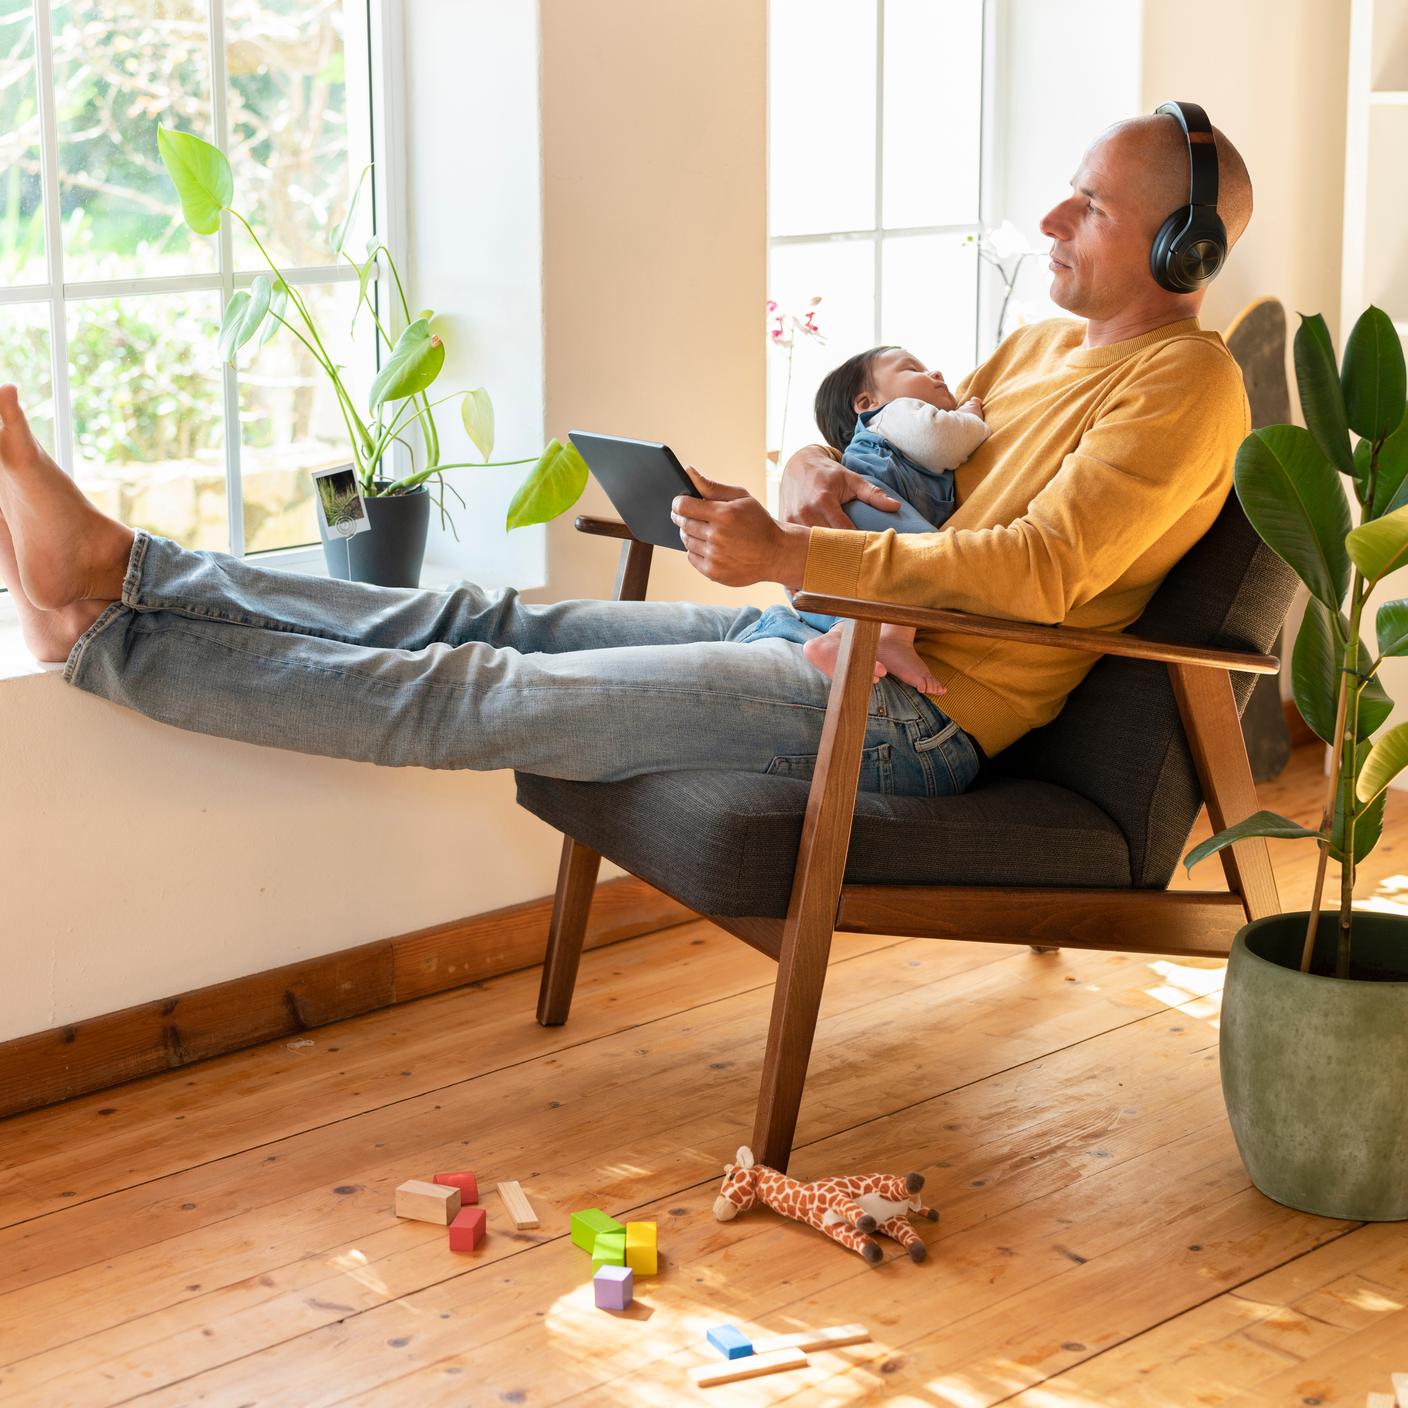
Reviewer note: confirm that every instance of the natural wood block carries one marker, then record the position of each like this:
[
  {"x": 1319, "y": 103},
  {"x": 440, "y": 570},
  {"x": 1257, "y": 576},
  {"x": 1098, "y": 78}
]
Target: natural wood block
[
  {"x": 587, "y": 1224},
  {"x": 609, "y": 1249},
  {"x": 519, "y": 1208},
  {"x": 640, "y": 1248},
  {"x": 465, "y": 1182},
  {"x": 467, "y": 1230},
  {"x": 707, "y": 1375},
  {"x": 832, "y": 1338},
  {"x": 427, "y": 1202}
]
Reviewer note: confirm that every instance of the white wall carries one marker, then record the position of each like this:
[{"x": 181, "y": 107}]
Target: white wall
[{"x": 139, "y": 861}]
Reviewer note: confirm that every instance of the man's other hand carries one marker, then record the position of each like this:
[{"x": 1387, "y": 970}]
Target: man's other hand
[
  {"x": 732, "y": 539},
  {"x": 814, "y": 487}
]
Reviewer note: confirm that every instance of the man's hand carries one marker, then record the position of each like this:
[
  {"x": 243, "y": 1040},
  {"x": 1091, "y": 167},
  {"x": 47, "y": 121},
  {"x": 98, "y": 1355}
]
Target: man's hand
[
  {"x": 814, "y": 487},
  {"x": 732, "y": 539}
]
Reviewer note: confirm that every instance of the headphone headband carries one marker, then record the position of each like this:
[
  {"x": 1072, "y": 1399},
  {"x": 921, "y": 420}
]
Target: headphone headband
[
  {"x": 1191, "y": 244},
  {"x": 1202, "y": 151}
]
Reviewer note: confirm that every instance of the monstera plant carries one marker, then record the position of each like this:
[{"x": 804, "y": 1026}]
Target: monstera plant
[
  {"x": 410, "y": 363},
  {"x": 1314, "y": 1035}
]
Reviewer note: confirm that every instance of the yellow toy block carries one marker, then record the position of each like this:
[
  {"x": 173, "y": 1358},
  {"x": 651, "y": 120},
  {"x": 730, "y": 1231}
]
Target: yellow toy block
[{"x": 640, "y": 1248}]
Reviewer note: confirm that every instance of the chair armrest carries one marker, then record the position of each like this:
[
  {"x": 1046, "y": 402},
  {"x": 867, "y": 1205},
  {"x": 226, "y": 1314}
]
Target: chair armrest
[
  {"x": 1063, "y": 637},
  {"x": 603, "y": 527}
]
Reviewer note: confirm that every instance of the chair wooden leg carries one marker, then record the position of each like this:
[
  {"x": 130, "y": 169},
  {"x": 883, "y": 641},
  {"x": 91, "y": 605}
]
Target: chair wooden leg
[
  {"x": 816, "y": 890},
  {"x": 571, "y": 905}
]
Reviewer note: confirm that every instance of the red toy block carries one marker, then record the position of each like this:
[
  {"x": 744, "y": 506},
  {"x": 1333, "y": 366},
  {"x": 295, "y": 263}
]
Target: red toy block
[
  {"x": 465, "y": 1182},
  {"x": 467, "y": 1230}
]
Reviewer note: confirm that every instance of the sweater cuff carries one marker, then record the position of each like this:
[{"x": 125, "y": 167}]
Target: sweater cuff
[{"x": 833, "y": 562}]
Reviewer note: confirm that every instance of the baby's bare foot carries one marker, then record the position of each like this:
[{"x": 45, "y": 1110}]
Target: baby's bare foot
[
  {"x": 65, "y": 550},
  {"x": 897, "y": 653},
  {"x": 824, "y": 651},
  {"x": 49, "y": 636}
]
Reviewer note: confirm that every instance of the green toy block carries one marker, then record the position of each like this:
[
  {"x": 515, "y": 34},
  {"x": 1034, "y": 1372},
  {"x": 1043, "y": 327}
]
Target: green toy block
[
  {"x": 587, "y": 1224},
  {"x": 610, "y": 1249}
]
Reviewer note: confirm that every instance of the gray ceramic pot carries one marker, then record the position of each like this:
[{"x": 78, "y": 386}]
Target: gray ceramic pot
[
  {"x": 1315, "y": 1069},
  {"x": 392, "y": 552}
]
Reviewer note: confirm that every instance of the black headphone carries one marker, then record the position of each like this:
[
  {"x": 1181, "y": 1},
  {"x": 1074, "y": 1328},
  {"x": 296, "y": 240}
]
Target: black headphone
[{"x": 1192, "y": 243}]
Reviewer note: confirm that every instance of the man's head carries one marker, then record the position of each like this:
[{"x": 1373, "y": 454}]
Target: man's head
[{"x": 1132, "y": 178}]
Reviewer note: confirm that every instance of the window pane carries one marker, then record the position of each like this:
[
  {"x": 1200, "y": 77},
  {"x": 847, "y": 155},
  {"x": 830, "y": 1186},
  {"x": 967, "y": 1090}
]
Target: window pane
[
  {"x": 821, "y": 116},
  {"x": 22, "y": 258},
  {"x": 289, "y": 420},
  {"x": 148, "y": 434},
  {"x": 120, "y": 68},
  {"x": 933, "y": 111},
  {"x": 930, "y": 300},
  {"x": 295, "y": 161},
  {"x": 25, "y": 359},
  {"x": 842, "y": 274}
]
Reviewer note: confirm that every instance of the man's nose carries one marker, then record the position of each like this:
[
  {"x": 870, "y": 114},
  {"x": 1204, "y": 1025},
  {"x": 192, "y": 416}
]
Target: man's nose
[{"x": 1055, "y": 224}]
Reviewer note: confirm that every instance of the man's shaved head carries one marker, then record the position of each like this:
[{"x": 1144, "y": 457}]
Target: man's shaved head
[{"x": 1160, "y": 171}]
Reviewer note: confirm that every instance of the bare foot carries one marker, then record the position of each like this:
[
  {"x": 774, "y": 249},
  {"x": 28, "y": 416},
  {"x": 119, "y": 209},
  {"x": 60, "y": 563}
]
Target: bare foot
[
  {"x": 824, "y": 651},
  {"x": 49, "y": 636},
  {"x": 66, "y": 551},
  {"x": 897, "y": 653}
]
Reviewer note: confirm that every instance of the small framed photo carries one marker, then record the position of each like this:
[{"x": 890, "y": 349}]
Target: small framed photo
[{"x": 340, "y": 502}]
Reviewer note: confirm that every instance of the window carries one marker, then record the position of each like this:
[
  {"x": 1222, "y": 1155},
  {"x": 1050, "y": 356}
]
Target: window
[
  {"x": 874, "y": 186},
  {"x": 110, "y": 305}
]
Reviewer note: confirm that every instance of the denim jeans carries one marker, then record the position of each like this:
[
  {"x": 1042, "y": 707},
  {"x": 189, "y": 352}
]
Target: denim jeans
[{"x": 464, "y": 678}]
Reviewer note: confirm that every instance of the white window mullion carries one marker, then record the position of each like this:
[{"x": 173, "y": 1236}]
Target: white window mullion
[
  {"x": 53, "y": 235},
  {"x": 234, "y": 491}
]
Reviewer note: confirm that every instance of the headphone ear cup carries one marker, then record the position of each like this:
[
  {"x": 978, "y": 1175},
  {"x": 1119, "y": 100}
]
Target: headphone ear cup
[
  {"x": 1188, "y": 250},
  {"x": 1161, "y": 251}
]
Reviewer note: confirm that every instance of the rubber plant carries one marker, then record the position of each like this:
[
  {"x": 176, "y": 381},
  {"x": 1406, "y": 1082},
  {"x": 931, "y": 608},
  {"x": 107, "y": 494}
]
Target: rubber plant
[
  {"x": 1290, "y": 481},
  {"x": 409, "y": 365}
]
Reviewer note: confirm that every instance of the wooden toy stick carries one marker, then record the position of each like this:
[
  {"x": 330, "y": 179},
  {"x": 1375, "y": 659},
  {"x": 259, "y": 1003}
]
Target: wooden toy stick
[
  {"x": 832, "y": 1338},
  {"x": 519, "y": 1208},
  {"x": 728, "y": 1371}
]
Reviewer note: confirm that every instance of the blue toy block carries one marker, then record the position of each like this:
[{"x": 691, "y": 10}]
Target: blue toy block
[
  {"x": 729, "y": 1342},
  {"x": 614, "y": 1287}
]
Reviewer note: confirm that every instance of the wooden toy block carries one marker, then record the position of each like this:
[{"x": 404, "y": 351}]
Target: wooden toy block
[
  {"x": 467, "y": 1230},
  {"x": 614, "y": 1286},
  {"x": 519, "y": 1208},
  {"x": 640, "y": 1248},
  {"x": 465, "y": 1182},
  {"x": 587, "y": 1223},
  {"x": 706, "y": 1375},
  {"x": 609, "y": 1249},
  {"x": 427, "y": 1202},
  {"x": 1400, "y": 1388},
  {"x": 728, "y": 1340},
  {"x": 833, "y": 1338}
]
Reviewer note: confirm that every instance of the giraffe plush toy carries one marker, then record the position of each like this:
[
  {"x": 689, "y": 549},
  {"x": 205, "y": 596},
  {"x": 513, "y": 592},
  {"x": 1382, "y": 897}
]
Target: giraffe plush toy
[{"x": 846, "y": 1209}]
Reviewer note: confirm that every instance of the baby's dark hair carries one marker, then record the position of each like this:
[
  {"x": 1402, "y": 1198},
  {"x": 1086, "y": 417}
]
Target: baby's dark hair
[{"x": 835, "y": 407}]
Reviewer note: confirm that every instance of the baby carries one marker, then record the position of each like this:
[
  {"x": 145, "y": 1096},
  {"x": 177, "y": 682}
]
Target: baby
[{"x": 899, "y": 426}]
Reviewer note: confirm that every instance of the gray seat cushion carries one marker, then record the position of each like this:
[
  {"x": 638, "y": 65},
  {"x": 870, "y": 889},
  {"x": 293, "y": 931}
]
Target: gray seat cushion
[{"x": 726, "y": 842}]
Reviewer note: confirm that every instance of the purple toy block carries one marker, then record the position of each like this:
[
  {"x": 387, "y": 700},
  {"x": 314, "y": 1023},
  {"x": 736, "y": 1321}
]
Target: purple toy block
[{"x": 613, "y": 1286}]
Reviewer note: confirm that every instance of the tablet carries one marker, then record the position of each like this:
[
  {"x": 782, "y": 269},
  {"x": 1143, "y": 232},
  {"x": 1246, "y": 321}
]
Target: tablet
[{"x": 641, "y": 478}]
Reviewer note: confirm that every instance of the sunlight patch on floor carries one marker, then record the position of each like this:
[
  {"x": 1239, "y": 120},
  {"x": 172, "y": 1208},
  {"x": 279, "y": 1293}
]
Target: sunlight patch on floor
[
  {"x": 354, "y": 1263},
  {"x": 1390, "y": 896},
  {"x": 1196, "y": 991}
]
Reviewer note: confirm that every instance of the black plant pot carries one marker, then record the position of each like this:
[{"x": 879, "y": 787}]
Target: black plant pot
[{"x": 390, "y": 553}]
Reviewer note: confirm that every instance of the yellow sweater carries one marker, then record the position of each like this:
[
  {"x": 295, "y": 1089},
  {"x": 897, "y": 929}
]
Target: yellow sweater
[{"x": 1104, "y": 466}]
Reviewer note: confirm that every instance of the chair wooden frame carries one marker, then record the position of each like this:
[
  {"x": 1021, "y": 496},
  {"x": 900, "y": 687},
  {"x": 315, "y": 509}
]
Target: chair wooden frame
[{"x": 1200, "y": 923}]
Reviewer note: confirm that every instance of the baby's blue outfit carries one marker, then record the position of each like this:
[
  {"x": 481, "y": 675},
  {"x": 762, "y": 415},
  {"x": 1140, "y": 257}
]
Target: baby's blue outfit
[{"x": 926, "y": 502}]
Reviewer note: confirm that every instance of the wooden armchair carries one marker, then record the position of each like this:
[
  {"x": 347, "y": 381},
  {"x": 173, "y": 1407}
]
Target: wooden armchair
[{"x": 1069, "y": 839}]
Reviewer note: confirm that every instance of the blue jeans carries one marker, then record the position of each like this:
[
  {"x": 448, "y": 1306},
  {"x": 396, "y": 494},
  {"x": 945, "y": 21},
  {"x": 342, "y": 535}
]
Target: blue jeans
[{"x": 588, "y": 690}]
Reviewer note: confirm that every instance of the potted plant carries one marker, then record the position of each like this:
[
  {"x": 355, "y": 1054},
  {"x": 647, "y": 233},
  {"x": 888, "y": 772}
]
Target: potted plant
[
  {"x": 1314, "y": 1038},
  {"x": 398, "y": 506}
]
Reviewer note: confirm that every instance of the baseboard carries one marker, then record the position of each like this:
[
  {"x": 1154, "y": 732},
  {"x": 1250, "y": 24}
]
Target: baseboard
[{"x": 156, "y": 1036}]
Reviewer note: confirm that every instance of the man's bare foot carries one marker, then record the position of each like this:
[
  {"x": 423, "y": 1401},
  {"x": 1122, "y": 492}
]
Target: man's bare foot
[
  {"x": 824, "y": 651},
  {"x": 65, "y": 550},
  {"x": 49, "y": 636}
]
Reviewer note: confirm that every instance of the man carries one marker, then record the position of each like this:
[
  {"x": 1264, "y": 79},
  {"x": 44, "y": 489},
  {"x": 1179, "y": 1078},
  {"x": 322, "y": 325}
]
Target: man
[{"x": 1110, "y": 454}]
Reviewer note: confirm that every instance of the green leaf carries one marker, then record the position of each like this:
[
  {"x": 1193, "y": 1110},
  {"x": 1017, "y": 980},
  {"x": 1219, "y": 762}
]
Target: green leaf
[
  {"x": 1387, "y": 758},
  {"x": 201, "y": 175},
  {"x": 1259, "y": 824},
  {"x": 338, "y": 235},
  {"x": 365, "y": 273},
  {"x": 1321, "y": 397},
  {"x": 553, "y": 485},
  {"x": 414, "y": 364},
  {"x": 477, "y": 412},
  {"x": 230, "y": 324},
  {"x": 278, "y": 305},
  {"x": 1293, "y": 498},
  {"x": 1315, "y": 668},
  {"x": 1373, "y": 377},
  {"x": 1381, "y": 545},
  {"x": 243, "y": 314},
  {"x": 1391, "y": 628},
  {"x": 1368, "y": 820},
  {"x": 1374, "y": 704},
  {"x": 1391, "y": 482}
]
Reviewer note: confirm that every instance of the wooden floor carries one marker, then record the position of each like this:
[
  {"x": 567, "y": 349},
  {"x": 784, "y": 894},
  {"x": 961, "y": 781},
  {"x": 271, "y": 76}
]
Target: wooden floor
[{"x": 223, "y": 1233}]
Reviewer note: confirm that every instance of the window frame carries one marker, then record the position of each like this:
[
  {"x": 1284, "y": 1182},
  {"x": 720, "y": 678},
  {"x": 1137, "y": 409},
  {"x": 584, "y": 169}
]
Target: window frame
[{"x": 383, "y": 19}]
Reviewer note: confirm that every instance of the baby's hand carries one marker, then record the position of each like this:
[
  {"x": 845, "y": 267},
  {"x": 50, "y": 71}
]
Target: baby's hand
[{"x": 973, "y": 407}]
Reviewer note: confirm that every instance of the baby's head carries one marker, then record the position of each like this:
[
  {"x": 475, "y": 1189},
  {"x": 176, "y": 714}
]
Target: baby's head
[{"x": 871, "y": 379}]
